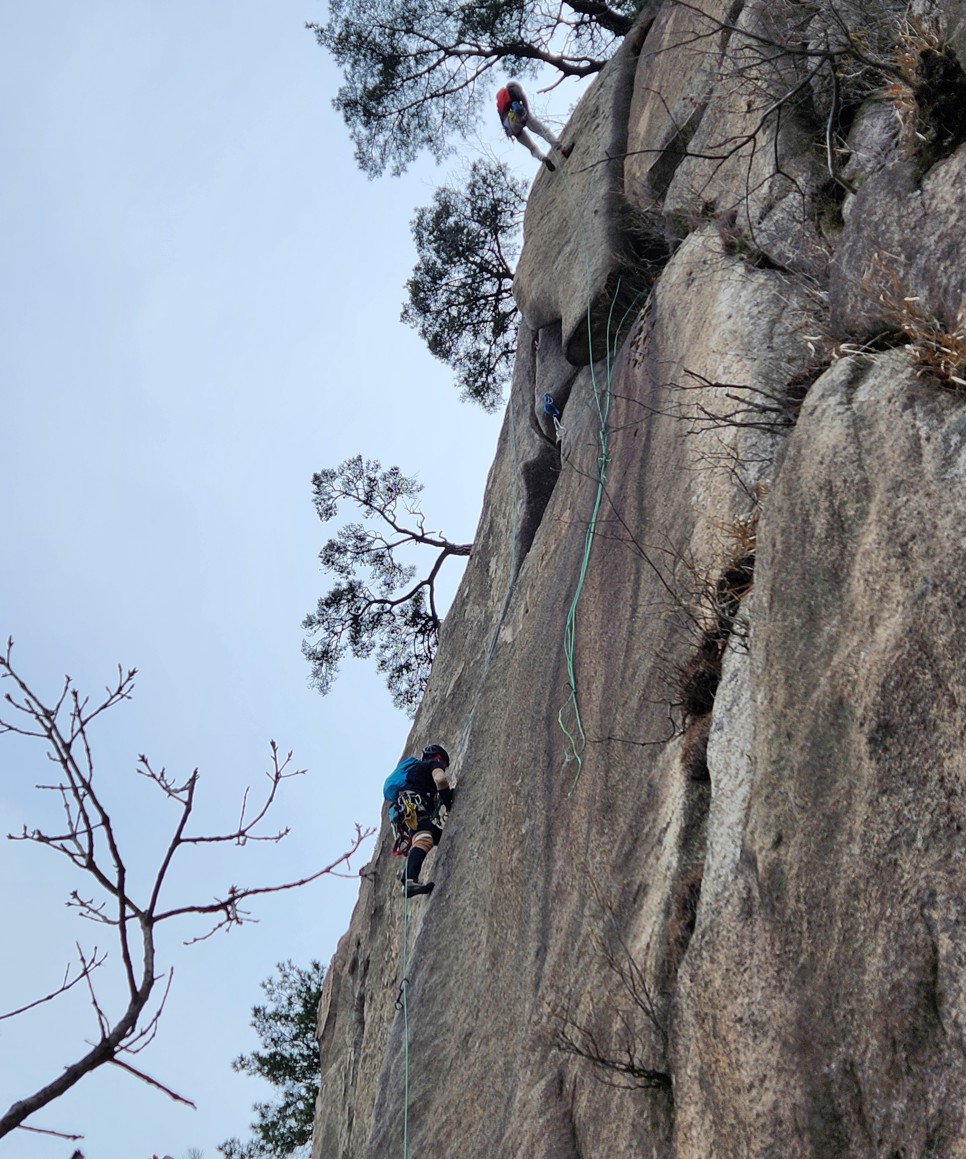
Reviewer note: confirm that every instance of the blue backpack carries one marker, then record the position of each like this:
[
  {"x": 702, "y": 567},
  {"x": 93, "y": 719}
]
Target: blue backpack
[
  {"x": 395, "y": 782},
  {"x": 397, "y": 778}
]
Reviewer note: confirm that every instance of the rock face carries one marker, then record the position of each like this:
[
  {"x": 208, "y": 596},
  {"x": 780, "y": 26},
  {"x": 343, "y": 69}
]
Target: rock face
[{"x": 704, "y": 679}]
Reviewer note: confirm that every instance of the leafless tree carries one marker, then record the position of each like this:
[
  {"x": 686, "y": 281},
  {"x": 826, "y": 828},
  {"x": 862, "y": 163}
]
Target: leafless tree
[
  {"x": 628, "y": 1055},
  {"x": 88, "y": 837}
]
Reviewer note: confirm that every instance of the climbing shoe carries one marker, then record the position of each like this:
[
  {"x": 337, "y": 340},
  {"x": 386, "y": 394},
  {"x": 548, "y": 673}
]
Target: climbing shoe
[
  {"x": 414, "y": 888},
  {"x": 550, "y": 165}
]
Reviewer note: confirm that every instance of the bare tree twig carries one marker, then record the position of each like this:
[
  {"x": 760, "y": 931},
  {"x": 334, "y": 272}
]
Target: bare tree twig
[
  {"x": 67, "y": 984},
  {"x": 50, "y": 1131},
  {"x": 89, "y": 840},
  {"x": 146, "y": 1078}
]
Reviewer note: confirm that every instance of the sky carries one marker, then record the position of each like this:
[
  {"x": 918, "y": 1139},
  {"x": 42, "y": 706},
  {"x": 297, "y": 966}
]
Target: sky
[{"x": 199, "y": 303}]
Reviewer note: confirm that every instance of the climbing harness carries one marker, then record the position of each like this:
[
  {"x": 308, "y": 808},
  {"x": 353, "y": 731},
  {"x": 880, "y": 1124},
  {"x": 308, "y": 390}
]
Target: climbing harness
[
  {"x": 405, "y": 814},
  {"x": 515, "y": 119},
  {"x": 403, "y": 818},
  {"x": 410, "y": 804}
]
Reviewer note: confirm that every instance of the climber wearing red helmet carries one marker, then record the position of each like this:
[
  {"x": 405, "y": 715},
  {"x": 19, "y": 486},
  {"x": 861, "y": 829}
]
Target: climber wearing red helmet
[{"x": 516, "y": 118}]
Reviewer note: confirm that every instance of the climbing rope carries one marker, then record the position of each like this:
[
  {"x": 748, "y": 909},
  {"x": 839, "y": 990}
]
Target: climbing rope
[
  {"x": 402, "y": 1003},
  {"x": 576, "y": 737},
  {"x": 401, "y": 1000},
  {"x": 570, "y": 625}
]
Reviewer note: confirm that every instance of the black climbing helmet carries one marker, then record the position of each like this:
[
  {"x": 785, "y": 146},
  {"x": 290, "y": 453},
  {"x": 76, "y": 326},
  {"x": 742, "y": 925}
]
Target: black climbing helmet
[{"x": 436, "y": 752}]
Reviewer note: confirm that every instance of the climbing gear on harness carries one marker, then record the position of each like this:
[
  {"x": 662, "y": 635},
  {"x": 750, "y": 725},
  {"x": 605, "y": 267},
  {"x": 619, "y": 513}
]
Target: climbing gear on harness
[
  {"x": 514, "y": 119},
  {"x": 550, "y": 408},
  {"x": 409, "y": 805},
  {"x": 408, "y": 810},
  {"x": 405, "y": 813}
]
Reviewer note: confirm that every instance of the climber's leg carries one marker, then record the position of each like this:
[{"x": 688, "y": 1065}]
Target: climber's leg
[
  {"x": 549, "y": 136},
  {"x": 525, "y": 139},
  {"x": 422, "y": 843}
]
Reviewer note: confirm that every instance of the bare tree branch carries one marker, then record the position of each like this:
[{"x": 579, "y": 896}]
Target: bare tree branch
[
  {"x": 67, "y": 984},
  {"x": 89, "y": 840},
  {"x": 146, "y": 1078},
  {"x": 50, "y": 1131}
]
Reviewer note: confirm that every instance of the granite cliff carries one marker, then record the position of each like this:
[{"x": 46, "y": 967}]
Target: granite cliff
[{"x": 704, "y": 679}]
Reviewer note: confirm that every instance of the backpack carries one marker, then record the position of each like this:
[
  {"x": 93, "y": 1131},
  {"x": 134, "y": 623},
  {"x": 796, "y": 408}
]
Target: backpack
[
  {"x": 515, "y": 93},
  {"x": 395, "y": 782},
  {"x": 397, "y": 778}
]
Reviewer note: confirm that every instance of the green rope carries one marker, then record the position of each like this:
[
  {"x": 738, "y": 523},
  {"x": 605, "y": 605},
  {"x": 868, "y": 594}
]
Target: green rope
[
  {"x": 405, "y": 1005},
  {"x": 577, "y": 741},
  {"x": 570, "y": 626},
  {"x": 577, "y": 738}
]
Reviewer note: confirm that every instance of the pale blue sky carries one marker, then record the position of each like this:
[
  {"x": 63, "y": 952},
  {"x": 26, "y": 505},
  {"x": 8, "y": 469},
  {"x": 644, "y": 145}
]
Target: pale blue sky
[
  {"x": 199, "y": 307},
  {"x": 199, "y": 303}
]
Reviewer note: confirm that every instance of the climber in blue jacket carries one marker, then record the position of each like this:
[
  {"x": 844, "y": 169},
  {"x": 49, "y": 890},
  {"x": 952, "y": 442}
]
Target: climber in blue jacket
[{"x": 426, "y": 787}]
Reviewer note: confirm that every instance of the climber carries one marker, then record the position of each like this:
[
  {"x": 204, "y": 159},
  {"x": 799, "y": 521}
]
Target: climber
[
  {"x": 426, "y": 788},
  {"x": 551, "y": 409},
  {"x": 515, "y": 116}
]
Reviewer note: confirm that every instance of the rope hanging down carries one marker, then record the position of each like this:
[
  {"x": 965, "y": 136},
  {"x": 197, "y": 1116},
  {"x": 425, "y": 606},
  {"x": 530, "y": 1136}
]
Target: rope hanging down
[
  {"x": 576, "y": 737},
  {"x": 402, "y": 1002},
  {"x": 575, "y": 734}
]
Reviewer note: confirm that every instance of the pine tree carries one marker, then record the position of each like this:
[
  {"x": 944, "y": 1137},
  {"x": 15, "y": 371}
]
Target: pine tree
[
  {"x": 377, "y": 605},
  {"x": 461, "y": 291},
  {"x": 289, "y": 1060},
  {"x": 413, "y": 71}
]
